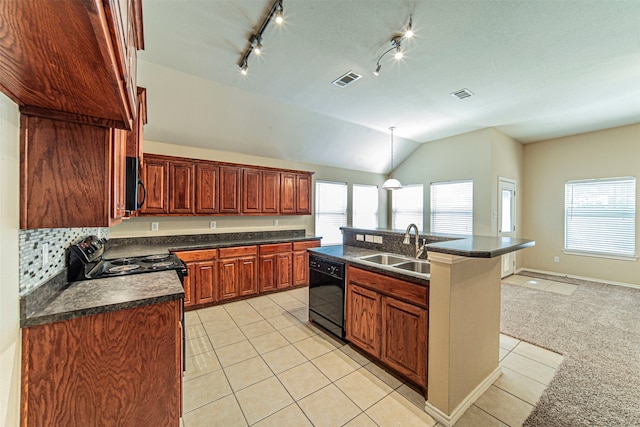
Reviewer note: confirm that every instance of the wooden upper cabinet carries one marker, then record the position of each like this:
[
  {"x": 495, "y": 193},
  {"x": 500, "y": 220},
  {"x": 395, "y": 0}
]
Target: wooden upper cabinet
[
  {"x": 207, "y": 188},
  {"x": 288, "y": 193},
  {"x": 65, "y": 174},
  {"x": 229, "y": 190},
  {"x": 251, "y": 191},
  {"x": 303, "y": 194},
  {"x": 93, "y": 45},
  {"x": 135, "y": 138},
  {"x": 155, "y": 175},
  {"x": 181, "y": 178},
  {"x": 270, "y": 192}
]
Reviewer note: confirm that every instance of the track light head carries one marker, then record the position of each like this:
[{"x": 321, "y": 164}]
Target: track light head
[
  {"x": 377, "y": 71},
  {"x": 279, "y": 13},
  {"x": 409, "y": 33},
  {"x": 244, "y": 68},
  {"x": 256, "y": 43}
]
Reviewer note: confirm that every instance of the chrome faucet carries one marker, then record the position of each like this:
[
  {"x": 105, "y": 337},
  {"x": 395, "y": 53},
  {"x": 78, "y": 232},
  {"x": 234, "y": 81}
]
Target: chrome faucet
[{"x": 407, "y": 239}]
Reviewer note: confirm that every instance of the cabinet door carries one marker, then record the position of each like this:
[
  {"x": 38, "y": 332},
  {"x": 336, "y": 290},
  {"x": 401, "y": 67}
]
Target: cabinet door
[
  {"x": 205, "y": 286},
  {"x": 135, "y": 138},
  {"x": 267, "y": 277},
  {"x": 227, "y": 278},
  {"x": 229, "y": 189},
  {"x": 248, "y": 276},
  {"x": 118, "y": 173},
  {"x": 363, "y": 319},
  {"x": 155, "y": 177},
  {"x": 189, "y": 284},
  {"x": 206, "y": 189},
  {"x": 181, "y": 187},
  {"x": 303, "y": 194},
  {"x": 270, "y": 192},
  {"x": 284, "y": 279},
  {"x": 404, "y": 339},
  {"x": 251, "y": 191},
  {"x": 288, "y": 193},
  {"x": 300, "y": 268}
]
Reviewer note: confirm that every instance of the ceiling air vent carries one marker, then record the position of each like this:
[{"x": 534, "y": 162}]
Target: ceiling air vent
[
  {"x": 346, "y": 79},
  {"x": 462, "y": 93}
]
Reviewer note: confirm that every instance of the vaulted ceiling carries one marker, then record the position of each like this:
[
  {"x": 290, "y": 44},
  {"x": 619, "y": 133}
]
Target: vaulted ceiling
[{"x": 537, "y": 69}]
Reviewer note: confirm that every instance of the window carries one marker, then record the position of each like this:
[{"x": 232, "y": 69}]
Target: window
[
  {"x": 407, "y": 207},
  {"x": 331, "y": 211},
  {"x": 365, "y": 206},
  {"x": 452, "y": 207},
  {"x": 600, "y": 216}
]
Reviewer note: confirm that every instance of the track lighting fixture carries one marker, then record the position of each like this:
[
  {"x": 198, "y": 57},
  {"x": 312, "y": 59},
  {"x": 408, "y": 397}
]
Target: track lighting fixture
[
  {"x": 255, "y": 41},
  {"x": 396, "y": 44}
]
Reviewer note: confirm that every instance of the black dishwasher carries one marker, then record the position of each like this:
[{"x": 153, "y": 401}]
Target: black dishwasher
[{"x": 326, "y": 294}]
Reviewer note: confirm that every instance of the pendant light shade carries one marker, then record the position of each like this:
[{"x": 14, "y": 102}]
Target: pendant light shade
[{"x": 391, "y": 183}]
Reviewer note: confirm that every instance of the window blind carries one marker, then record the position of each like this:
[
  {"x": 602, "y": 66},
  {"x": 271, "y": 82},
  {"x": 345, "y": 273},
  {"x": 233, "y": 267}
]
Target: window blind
[
  {"x": 600, "y": 216},
  {"x": 331, "y": 211},
  {"x": 365, "y": 206},
  {"x": 407, "y": 207},
  {"x": 452, "y": 207}
]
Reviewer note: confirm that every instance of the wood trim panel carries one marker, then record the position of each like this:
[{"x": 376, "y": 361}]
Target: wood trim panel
[
  {"x": 197, "y": 255},
  {"x": 238, "y": 251},
  {"x": 410, "y": 292}
]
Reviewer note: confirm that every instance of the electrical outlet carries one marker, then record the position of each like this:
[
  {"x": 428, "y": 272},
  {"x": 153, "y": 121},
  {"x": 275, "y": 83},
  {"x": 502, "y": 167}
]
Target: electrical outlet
[
  {"x": 360, "y": 237},
  {"x": 45, "y": 254},
  {"x": 377, "y": 239},
  {"x": 154, "y": 226},
  {"x": 212, "y": 224},
  {"x": 275, "y": 222},
  {"x": 556, "y": 259},
  {"x": 368, "y": 238}
]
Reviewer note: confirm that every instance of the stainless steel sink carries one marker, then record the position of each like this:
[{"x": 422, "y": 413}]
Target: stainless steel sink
[
  {"x": 417, "y": 266},
  {"x": 384, "y": 259}
]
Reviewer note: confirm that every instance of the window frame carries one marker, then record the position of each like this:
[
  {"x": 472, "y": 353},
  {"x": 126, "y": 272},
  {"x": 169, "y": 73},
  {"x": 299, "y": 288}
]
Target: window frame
[
  {"x": 575, "y": 248},
  {"x": 394, "y": 200},
  {"x": 433, "y": 206},
  {"x": 318, "y": 213},
  {"x": 354, "y": 206}
]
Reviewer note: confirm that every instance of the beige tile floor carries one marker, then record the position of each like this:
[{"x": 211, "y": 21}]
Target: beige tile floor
[
  {"x": 258, "y": 362},
  {"x": 541, "y": 284}
]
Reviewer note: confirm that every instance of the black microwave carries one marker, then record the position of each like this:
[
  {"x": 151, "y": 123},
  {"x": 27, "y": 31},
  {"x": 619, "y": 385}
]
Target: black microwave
[{"x": 132, "y": 195}]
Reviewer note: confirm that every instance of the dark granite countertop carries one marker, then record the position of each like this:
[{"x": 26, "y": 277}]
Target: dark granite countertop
[
  {"x": 90, "y": 297},
  {"x": 351, "y": 255},
  {"x": 480, "y": 246},
  {"x": 120, "y": 251}
]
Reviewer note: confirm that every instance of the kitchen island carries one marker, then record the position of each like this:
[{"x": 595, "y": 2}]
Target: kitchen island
[{"x": 463, "y": 309}]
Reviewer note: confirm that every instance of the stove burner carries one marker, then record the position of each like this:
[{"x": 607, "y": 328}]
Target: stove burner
[
  {"x": 156, "y": 257},
  {"x": 123, "y": 261},
  {"x": 123, "y": 268},
  {"x": 162, "y": 264}
]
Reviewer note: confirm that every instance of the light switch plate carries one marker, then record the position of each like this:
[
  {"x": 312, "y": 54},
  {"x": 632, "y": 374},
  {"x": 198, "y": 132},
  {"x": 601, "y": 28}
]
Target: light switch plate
[
  {"x": 154, "y": 226},
  {"x": 368, "y": 238},
  {"x": 212, "y": 224},
  {"x": 377, "y": 239},
  {"x": 360, "y": 237}
]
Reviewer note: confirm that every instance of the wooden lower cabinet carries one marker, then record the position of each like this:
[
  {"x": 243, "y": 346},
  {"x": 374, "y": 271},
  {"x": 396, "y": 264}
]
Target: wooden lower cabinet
[
  {"x": 301, "y": 261},
  {"x": 238, "y": 272},
  {"x": 275, "y": 269},
  {"x": 381, "y": 324},
  {"x": 201, "y": 282},
  {"x": 75, "y": 373}
]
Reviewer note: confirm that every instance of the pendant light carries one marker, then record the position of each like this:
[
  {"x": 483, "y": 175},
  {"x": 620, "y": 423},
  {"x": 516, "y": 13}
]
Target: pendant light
[{"x": 391, "y": 183}]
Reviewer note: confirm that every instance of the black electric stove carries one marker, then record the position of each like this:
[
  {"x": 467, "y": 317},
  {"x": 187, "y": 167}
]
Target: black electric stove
[{"x": 86, "y": 261}]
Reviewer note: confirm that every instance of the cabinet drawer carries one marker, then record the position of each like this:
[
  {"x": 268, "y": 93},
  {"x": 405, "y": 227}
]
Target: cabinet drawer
[
  {"x": 275, "y": 248},
  {"x": 237, "y": 251},
  {"x": 301, "y": 246},
  {"x": 406, "y": 291},
  {"x": 199, "y": 255}
]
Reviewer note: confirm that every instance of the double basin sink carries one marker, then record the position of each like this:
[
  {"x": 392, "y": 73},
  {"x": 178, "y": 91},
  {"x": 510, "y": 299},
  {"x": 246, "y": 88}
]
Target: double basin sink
[{"x": 400, "y": 262}]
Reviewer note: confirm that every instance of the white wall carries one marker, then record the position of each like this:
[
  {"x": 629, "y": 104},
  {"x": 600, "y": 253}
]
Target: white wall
[
  {"x": 141, "y": 226},
  {"x": 10, "y": 349},
  {"x": 547, "y": 166}
]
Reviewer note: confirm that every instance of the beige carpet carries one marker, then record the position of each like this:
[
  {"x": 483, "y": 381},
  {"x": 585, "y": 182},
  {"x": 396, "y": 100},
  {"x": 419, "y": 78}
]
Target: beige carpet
[{"x": 597, "y": 329}]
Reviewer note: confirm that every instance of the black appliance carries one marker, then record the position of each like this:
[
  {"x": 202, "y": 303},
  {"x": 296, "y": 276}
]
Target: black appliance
[
  {"x": 326, "y": 294},
  {"x": 133, "y": 183},
  {"x": 86, "y": 261}
]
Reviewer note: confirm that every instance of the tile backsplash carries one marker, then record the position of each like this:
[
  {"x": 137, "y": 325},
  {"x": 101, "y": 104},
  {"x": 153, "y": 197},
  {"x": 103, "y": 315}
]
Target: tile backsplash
[{"x": 32, "y": 271}]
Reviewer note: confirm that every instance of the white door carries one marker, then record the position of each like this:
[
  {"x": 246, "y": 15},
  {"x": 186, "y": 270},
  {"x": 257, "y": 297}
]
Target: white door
[{"x": 507, "y": 220}]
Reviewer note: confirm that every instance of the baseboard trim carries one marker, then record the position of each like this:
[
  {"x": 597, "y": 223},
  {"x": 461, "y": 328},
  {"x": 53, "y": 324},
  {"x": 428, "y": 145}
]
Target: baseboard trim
[
  {"x": 590, "y": 279},
  {"x": 450, "y": 420}
]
